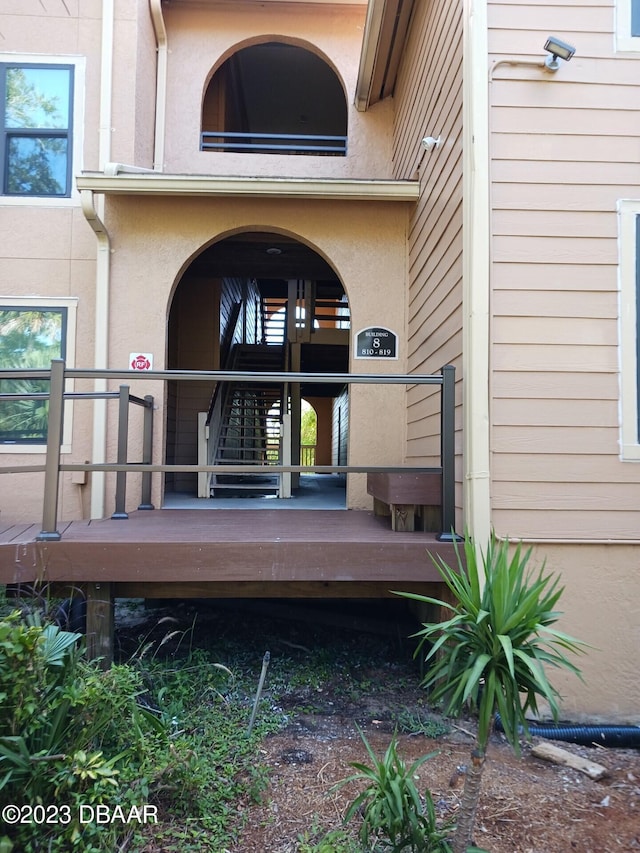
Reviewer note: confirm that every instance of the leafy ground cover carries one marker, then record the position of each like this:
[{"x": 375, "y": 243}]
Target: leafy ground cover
[
  {"x": 332, "y": 673},
  {"x": 329, "y": 676}
]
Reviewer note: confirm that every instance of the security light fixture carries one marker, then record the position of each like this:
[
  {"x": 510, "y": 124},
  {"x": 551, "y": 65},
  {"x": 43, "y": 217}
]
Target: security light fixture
[
  {"x": 430, "y": 142},
  {"x": 558, "y": 50}
]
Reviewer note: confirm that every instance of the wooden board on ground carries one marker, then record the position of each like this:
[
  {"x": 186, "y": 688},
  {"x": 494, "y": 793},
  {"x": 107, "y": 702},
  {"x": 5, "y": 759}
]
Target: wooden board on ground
[{"x": 550, "y": 752}]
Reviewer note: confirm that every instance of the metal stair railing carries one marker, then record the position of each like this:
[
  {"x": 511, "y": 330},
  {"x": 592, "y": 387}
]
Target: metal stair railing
[
  {"x": 215, "y": 419},
  {"x": 240, "y": 431},
  {"x": 225, "y": 350},
  {"x": 273, "y": 311},
  {"x": 330, "y": 312},
  {"x": 216, "y": 406}
]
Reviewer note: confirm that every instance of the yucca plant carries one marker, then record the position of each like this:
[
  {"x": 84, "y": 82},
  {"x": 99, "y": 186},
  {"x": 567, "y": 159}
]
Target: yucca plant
[
  {"x": 393, "y": 812},
  {"x": 493, "y": 653}
]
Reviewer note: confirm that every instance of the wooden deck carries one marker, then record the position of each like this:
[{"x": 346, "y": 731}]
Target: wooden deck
[{"x": 222, "y": 553}]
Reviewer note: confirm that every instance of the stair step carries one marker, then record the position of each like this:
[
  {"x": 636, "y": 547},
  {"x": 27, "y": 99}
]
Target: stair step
[
  {"x": 242, "y": 431},
  {"x": 237, "y": 460},
  {"x": 241, "y": 418},
  {"x": 240, "y": 459},
  {"x": 249, "y": 429},
  {"x": 264, "y": 487},
  {"x": 246, "y": 443}
]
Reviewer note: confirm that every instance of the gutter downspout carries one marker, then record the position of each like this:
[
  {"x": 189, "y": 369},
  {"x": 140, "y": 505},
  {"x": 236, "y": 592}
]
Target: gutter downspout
[
  {"x": 95, "y": 217},
  {"x": 476, "y": 273},
  {"x": 155, "y": 7}
]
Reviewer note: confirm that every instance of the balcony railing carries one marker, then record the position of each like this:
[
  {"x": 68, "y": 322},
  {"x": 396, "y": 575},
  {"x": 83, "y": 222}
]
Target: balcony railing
[
  {"x": 307, "y": 455},
  {"x": 273, "y": 143},
  {"x": 58, "y": 374}
]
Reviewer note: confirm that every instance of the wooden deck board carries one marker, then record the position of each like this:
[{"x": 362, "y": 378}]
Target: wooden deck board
[{"x": 225, "y": 547}]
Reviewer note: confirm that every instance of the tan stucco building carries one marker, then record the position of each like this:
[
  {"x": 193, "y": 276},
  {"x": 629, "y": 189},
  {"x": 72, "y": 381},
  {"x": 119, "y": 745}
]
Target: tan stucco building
[{"x": 414, "y": 167}]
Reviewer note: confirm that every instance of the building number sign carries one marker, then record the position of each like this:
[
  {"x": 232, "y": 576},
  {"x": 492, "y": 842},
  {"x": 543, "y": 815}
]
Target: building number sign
[{"x": 376, "y": 342}]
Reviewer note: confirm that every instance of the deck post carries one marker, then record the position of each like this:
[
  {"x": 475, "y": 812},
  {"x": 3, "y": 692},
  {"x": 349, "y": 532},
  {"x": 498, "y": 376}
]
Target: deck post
[
  {"x": 147, "y": 452},
  {"x": 285, "y": 442},
  {"x": 100, "y": 623},
  {"x": 448, "y": 454},
  {"x": 49, "y": 533},
  {"x": 203, "y": 455},
  {"x": 123, "y": 439}
]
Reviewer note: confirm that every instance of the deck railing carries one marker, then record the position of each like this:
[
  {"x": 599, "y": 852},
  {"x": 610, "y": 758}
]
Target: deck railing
[{"x": 58, "y": 375}]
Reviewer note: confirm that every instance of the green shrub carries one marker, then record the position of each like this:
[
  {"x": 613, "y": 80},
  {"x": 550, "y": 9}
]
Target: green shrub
[
  {"x": 495, "y": 650},
  {"x": 393, "y": 813},
  {"x": 421, "y": 723},
  {"x": 316, "y": 840},
  {"x": 210, "y": 772},
  {"x": 67, "y": 730}
]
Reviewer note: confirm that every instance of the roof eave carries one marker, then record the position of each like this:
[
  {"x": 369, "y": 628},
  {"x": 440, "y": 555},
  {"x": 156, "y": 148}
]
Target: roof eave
[
  {"x": 385, "y": 32},
  {"x": 161, "y": 184}
]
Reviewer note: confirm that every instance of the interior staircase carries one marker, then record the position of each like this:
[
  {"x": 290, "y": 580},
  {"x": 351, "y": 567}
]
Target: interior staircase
[{"x": 245, "y": 424}]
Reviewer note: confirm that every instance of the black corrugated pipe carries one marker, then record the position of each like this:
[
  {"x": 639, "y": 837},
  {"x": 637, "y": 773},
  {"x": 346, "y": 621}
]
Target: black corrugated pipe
[{"x": 622, "y": 737}]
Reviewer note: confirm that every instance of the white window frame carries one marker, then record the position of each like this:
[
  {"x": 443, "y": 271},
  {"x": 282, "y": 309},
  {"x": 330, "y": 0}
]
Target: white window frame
[
  {"x": 625, "y": 41},
  {"x": 77, "y": 132},
  {"x": 31, "y": 303}
]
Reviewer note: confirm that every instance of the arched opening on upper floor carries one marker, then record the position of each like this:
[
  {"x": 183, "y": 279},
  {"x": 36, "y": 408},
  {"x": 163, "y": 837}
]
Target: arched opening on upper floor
[{"x": 275, "y": 98}]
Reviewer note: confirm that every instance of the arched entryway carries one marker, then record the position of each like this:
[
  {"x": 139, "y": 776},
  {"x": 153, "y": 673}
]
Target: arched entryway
[{"x": 255, "y": 302}]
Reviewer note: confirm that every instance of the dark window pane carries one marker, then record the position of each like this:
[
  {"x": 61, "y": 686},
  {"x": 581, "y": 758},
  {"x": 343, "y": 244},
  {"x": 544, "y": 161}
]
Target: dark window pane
[
  {"x": 38, "y": 97},
  {"x": 37, "y": 165}
]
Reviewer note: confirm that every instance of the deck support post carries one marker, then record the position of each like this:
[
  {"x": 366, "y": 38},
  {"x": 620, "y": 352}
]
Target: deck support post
[
  {"x": 147, "y": 453},
  {"x": 203, "y": 455},
  {"x": 100, "y": 626},
  {"x": 403, "y": 517},
  {"x": 295, "y": 413},
  {"x": 448, "y": 454},
  {"x": 123, "y": 442},
  {"x": 49, "y": 533},
  {"x": 285, "y": 443}
]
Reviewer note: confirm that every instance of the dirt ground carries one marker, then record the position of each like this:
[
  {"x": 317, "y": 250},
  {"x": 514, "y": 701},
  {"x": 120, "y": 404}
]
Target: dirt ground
[{"x": 527, "y": 805}]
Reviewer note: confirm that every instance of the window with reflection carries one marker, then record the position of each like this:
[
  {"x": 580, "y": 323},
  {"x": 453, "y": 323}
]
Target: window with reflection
[
  {"x": 37, "y": 109},
  {"x": 29, "y": 338}
]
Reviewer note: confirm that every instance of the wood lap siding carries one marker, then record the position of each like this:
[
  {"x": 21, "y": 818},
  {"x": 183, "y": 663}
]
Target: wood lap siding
[
  {"x": 340, "y": 430},
  {"x": 429, "y": 102},
  {"x": 564, "y": 151},
  {"x": 235, "y": 290},
  {"x": 230, "y": 295},
  {"x": 196, "y": 352}
]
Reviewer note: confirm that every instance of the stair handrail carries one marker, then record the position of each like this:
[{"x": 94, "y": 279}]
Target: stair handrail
[
  {"x": 225, "y": 352},
  {"x": 230, "y": 332},
  {"x": 214, "y": 419},
  {"x": 213, "y": 422}
]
